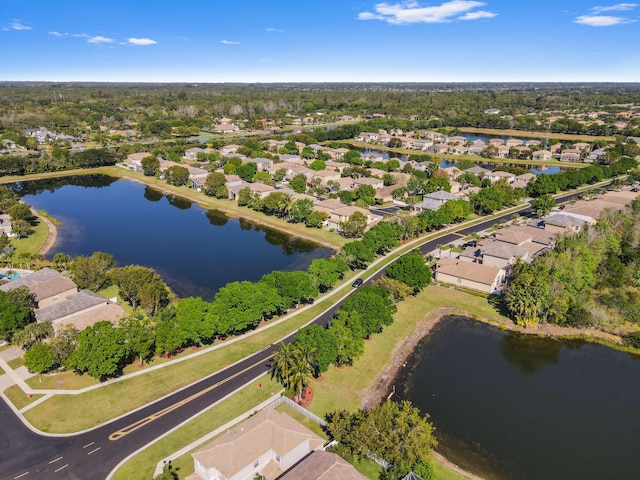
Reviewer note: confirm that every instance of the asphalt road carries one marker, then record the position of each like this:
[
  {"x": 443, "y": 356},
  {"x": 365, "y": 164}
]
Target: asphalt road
[{"x": 92, "y": 455}]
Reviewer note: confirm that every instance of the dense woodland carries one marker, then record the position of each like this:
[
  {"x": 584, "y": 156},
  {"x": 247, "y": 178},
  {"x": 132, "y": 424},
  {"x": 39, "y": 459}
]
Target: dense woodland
[
  {"x": 70, "y": 108},
  {"x": 590, "y": 279}
]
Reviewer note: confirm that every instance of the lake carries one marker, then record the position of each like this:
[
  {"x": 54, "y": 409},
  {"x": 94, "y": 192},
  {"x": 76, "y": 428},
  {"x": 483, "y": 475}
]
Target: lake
[
  {"x": 513, "y": 406},
  {"x": 196, "y": 251}
]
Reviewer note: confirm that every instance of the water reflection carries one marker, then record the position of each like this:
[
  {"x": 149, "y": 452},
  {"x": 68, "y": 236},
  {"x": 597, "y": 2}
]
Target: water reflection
[
  {"x": 52, "y": 184},
  {"x": 152, "y": 194},
  {"x": 179, "y": 202},
  {"x": 528, "y": 352},
  {"x": 217, "y": 218}
]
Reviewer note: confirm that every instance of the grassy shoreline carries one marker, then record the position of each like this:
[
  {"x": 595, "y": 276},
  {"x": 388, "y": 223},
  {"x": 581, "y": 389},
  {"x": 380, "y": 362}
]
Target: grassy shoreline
[{"x": 530, "y": 134}]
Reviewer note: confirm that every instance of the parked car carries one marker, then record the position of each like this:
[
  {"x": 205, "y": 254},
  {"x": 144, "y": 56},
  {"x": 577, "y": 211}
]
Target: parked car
[{"x": 357, "y": 283}]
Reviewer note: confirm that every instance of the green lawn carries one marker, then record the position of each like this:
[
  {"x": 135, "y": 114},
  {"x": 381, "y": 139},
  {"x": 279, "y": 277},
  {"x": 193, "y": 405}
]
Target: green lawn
[
  {"x": 522, "y": 133},
  {"x": 16, "y": 363},
  {"x": 19, "y": 399},
  {"x": 141, "y": 467},
  {"x": 32, "y": 244}
]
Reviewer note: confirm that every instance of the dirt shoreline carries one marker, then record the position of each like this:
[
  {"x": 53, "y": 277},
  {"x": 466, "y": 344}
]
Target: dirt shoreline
[
  {"x": 52, "y": 236},
  {"x": 381, "y": 388}
]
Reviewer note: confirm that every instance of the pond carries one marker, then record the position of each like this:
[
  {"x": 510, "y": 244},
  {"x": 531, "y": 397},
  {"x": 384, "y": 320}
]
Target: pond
[
  {"x": 196, "y": 251},
  {"x": 513, "y": 406}
]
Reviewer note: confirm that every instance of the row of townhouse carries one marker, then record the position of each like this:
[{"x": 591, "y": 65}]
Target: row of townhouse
[{"x": 484, "y": 266}]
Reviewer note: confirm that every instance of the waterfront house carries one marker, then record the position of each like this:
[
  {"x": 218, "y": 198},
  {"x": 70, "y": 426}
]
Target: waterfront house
[
  {"x": 483, "y": 278},
  {"x": 266, "y": 444},
  {"x": 570, "y": 155},
  {"x": 541, "y": 155},
  {"x": 225, "y": 128}
]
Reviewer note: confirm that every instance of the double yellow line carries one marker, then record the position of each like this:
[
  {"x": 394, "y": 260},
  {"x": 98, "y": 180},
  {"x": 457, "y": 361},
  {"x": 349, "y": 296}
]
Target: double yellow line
[{"x": 151, "y": 418}]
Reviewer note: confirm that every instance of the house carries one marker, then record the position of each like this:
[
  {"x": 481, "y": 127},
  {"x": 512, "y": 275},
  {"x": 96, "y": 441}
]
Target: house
[
  {"x": 373, "y": 157},
  {"x": 422, "y": 144},
  {"x": 47, "y": 286},
  {"x": 80, "y": 310},
  {"x": 496, "y": 253},
  {"x": 478, "y": 171},
  {"x": 367, "y": 137},
  {"x": 492, "y": 111},
  {"x": 514, "y": 142},
  {"x": 570, "y": 155},
  {"x": 555, "y": 148},
  {"x": 433, "y": 201},
  {"x": 261, "y": 189},
  {"x": 267, "y": 444},
  {"x": 499, "y": 175},
  {"x": 597, "y": 155},
  {"x": 321, "y": 465},
  {"x": 232, "y": 148},
  {"x": 134, "y": 161},
  {"x": 503, "y": 151},
  {"x": 342, "y": 214},
  {"x": 225, "y": 128},
  {"x": 457, "y": 140},
  {"x": 459, "y": 150},
  {"x": 477, "y": 148},
  {"x": 440, "y": 148},
  {"x": 326, "y": 176},
  {"x": 521, "y": 181},
  {"x": 452, "y": 172},
  {"x": 541, "y": 155},
  {"x": 560, "y": 223},
  {"x": 192, "y": 153},
  {"x": 474, "y": 276},
  {"x": 374, "y": 182}
]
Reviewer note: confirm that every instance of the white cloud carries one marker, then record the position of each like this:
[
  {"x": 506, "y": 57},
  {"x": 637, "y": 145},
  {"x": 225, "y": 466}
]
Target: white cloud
[
  {"x": 480, "y": 14},
  {"x": 58, "y": 34},
  {"x": 140, "y": 41},
  {"x": 601, "y": 20},
  {"x": 15, "y": 25},
  {"x": 229, "y": 42},
  {"x": 271, "y": 30},
  {"x": 620, "y": 7},
  {"x": 98, "y": 39},
  {"x": 410, "y": 11}
]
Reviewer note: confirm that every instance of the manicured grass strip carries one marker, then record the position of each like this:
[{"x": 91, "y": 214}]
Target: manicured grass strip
[
  {"x": 70, "y": 413},
  {"x": 142, "y": 466},
  {"x": 345, "y": 387},
  {"x": 16, "y": 363},
  {"x": 19, "y": 398},
  {"x": 529, "y": 134}
]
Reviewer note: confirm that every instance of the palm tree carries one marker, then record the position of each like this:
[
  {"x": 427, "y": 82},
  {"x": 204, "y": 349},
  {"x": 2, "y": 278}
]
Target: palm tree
[
  {"x": 283, "y": 362},
  {"x": 285, "y": 205},
  {"x": 303, "y": 368}
]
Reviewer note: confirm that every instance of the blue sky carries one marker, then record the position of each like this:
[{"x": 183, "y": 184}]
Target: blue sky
[{"x": 321, "y": 41}]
